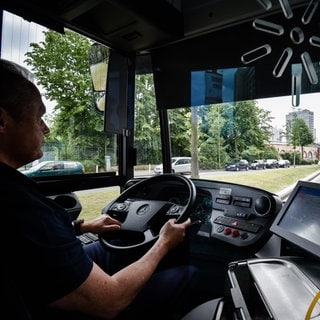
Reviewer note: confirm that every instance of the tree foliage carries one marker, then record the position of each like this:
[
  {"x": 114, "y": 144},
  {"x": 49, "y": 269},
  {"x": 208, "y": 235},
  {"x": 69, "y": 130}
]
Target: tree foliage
[
  {"x": 300, "y": 134},
  {"x": 180, "y": 131},
  {"x": 245, "y": 125},
  {"x": 61, "y": 66},
  {"x": 147, "y": 128},
  {"x": 212, "y": 149}
]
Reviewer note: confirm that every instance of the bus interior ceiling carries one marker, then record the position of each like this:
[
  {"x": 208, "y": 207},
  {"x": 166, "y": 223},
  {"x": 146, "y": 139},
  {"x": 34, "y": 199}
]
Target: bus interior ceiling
[
  {"x": 140, "y": 27},
  {"x": 174, "y": 38}
]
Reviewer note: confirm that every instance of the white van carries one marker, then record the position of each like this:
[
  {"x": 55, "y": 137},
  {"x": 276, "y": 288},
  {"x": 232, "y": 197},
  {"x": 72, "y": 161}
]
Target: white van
[{"x": 179, "y": 165}]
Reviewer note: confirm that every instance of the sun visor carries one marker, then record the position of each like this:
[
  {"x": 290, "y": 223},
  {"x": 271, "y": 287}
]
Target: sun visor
[{"x": 258, "y": 59}]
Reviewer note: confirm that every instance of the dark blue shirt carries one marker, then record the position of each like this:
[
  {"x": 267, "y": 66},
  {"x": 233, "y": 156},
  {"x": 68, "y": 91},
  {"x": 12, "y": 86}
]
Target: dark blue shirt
[{"x": 41, "y": 251}]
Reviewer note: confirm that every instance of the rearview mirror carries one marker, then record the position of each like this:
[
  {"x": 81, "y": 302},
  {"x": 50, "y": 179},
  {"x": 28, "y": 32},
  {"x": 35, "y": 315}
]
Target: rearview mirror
[{"x": 98, "y": 60}]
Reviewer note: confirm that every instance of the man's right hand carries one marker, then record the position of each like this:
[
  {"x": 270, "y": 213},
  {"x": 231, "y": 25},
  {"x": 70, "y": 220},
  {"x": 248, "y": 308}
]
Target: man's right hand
[{"x": 173, "y": 233}]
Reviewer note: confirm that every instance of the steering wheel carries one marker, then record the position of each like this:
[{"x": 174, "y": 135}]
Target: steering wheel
[{"x": 142, "y": 212}]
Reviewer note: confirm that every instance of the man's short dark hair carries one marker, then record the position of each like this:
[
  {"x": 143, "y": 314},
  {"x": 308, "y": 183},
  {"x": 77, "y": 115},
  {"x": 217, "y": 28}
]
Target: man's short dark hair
[{"x": 15, "y": 87}]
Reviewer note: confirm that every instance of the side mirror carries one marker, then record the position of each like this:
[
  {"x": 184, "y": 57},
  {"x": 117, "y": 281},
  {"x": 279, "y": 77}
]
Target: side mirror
[{"x": 98, "y": 60}]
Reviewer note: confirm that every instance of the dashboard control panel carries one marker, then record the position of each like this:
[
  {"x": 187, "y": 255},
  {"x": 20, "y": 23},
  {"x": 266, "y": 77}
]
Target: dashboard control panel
[{"x": 236, "y": 214}]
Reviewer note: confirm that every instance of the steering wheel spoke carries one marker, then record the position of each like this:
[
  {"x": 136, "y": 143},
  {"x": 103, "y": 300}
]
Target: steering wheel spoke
[{"x": 140, "y": 212}]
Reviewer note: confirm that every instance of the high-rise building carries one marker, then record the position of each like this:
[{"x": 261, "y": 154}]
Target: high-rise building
[{"x": 306, "y": 115}]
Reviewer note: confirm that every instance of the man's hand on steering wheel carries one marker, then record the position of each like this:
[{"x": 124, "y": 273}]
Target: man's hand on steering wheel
[
  {"x": 173, "y": 233},
  {"x": 102, "y": 223}
]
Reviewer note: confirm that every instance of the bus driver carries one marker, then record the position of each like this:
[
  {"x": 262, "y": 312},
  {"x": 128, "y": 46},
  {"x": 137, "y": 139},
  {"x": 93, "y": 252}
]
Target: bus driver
[{"x": 46, "y": 267}]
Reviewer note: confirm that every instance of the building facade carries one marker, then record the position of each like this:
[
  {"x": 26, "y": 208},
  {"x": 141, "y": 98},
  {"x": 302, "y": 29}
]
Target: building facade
[{"x": 311, "y": 152}]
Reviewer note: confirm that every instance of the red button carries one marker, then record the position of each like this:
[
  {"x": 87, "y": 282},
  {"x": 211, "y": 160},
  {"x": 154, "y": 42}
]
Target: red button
[
  {"x": 235, "y": 233},
  {"x": 227, "y": 231}
]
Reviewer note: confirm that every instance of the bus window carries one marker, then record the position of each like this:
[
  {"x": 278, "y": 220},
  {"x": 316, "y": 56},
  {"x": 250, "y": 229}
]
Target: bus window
[{"x": 75, "y": 115}]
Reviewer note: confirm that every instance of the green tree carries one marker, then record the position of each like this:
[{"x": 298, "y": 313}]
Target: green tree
[
  {"x": 147, "y": 127},
  {"x": 246, "y": 125},
  {"x": 300, "y": 134},
  {"x": 61, "y": 66},
  {"x": 265, "y": 128},
  {"x": 253, "y": 153},
  {"x": 271, "y": 152},
  {"x": 180, "y": 131},
  {"x": 212, "y": 151}
]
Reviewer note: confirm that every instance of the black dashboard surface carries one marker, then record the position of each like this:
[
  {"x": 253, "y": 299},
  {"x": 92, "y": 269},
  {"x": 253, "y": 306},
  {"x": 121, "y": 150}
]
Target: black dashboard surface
[{"x": 234, "y": 214}]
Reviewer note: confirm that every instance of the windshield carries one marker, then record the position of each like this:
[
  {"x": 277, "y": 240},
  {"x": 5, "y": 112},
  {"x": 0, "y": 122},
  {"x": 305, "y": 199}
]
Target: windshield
[{"x": 213, "y": 116}]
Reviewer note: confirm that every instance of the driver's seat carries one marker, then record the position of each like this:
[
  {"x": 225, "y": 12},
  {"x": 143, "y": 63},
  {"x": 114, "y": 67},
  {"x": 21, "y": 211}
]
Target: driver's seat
[{"x": 210, "y": 310}]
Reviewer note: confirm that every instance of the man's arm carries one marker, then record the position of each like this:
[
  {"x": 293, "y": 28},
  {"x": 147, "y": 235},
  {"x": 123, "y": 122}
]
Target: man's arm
[{"x": 106, "y": 296}]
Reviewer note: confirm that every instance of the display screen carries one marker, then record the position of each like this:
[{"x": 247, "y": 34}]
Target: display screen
[{"x": 299, "y": 220}]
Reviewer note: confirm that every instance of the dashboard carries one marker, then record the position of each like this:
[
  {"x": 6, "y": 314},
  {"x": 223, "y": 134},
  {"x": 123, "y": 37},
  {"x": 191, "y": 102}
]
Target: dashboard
[
  {"x": 235, "y": 214},
  {"x": 232, "y": 214},
  {"x": 232, "y": 223}
]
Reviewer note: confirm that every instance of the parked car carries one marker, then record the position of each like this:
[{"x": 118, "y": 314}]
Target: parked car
[
  {"x": 237, "y": 165},
  {"x": 272, "y": 163},
  {"x": 284, "y": 163},
  {"x": 257, "y": 164},
  {"x": 179, "y": 165},
  {"x": 53, "y": 168}
]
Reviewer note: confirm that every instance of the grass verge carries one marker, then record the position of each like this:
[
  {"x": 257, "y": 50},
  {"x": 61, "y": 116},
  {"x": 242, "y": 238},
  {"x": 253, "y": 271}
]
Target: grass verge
[{"x": 270, "y": 180}]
